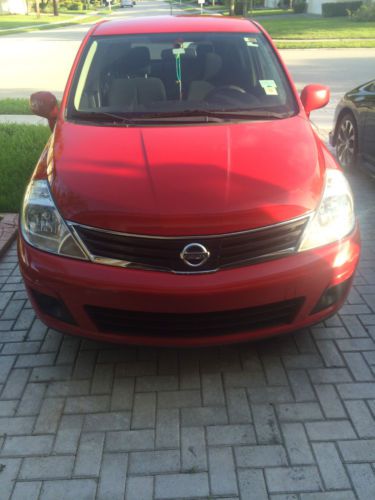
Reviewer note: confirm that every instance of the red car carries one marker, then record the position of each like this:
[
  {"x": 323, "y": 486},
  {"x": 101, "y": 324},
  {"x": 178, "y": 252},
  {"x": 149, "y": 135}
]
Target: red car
[{"x": 184, "y": 198}]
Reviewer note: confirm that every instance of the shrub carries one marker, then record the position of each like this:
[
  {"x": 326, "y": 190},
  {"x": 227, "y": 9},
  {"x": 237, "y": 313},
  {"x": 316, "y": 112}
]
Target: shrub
[
  {"x": 238, "y": 8},
  {"x": 365, "y": 13},
  {"x": 75, "y": 6},
  {"x": 340, "y": 9},
  {"x": 17, "y": 163},
  {"x": 299, "y": 6},
  {"x": 44, "y": 7}
]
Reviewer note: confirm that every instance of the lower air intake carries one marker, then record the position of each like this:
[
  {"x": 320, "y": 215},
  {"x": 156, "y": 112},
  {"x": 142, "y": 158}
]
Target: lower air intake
[{"x": 196, "y": 324}]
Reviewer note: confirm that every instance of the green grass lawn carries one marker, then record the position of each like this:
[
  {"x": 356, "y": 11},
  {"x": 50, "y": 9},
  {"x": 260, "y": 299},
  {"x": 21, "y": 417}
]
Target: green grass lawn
[
  {"x": 300, "y": 28},
  {"x": 305, "y": 27},
  {"x": 259, "y": 12},
  {"x": 15, "y": 107},
  {"x": 223, "y": 9},
  {"x": 327, "y": 44},
  {"x": 20, "y": 21},
  {"x": 21, "y": 146},
  {"x": 269, "y": 12}
]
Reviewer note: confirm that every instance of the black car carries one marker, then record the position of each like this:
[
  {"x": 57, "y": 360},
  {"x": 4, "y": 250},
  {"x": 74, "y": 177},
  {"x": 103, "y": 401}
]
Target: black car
[{"x": 354, "y": 128}]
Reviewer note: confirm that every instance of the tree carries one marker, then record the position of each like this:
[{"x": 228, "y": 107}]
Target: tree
[
  {"x": 232, "y": 6},
  {"x": 55, "y": 8}
]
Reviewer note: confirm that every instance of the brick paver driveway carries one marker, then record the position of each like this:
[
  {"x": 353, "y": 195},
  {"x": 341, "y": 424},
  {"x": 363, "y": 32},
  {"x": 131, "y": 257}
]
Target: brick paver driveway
[{"x": 289, "y": 418}]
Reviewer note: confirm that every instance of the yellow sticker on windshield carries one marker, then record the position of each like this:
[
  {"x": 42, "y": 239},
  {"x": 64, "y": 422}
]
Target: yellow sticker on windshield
[
  {"x": 270, "y": 90},
  {"x": 269, "y": 87}
]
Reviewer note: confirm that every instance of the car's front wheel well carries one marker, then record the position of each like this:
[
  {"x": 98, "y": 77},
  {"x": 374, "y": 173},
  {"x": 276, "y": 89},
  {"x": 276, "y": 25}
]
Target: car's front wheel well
[{"x": 343, "y": 112}]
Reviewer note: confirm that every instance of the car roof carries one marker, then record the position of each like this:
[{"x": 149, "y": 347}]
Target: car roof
[{"x": 173, "y": 24}]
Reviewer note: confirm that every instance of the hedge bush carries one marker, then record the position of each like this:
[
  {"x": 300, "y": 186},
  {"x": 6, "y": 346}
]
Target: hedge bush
[
  {"x": 365, "y": 13},
  {"x": 299, "y": 6},
  {"x": 75, "y": 6},
  {"x": 340, "y": 9},
  {"x": 238, "y": 8},
  {"x": 17, "y": 163}
]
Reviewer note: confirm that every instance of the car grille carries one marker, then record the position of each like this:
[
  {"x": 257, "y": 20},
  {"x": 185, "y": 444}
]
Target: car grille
[
  {"x": 163, "y": 253},
  {"x": 193, "y": 325}
]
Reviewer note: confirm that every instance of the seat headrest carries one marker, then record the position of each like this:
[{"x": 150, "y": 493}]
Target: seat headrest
[
  {"x": 167, "y": 54},
  {"x": 204, "y": 48},
  {"x": 213, "y": 64},
  {"x": 137, "y": 61}
]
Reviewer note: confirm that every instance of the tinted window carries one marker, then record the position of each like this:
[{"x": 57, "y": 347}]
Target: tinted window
[{"x": 164, "y": 74}]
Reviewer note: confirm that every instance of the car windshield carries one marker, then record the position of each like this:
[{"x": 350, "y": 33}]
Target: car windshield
[{"x": 180, "y": 76}]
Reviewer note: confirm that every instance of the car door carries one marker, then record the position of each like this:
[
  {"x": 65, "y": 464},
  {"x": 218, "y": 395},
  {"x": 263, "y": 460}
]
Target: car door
[{"x": 368, "y": 144}]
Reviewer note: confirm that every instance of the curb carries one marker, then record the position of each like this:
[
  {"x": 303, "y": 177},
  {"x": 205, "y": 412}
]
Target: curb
[{"x": 8, "y": 231}]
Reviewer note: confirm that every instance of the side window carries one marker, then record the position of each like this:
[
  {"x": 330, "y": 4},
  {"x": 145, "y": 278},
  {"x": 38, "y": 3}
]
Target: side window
[
  {"x": 78, "y": 98},
  {"x": 371, "y": 87}
]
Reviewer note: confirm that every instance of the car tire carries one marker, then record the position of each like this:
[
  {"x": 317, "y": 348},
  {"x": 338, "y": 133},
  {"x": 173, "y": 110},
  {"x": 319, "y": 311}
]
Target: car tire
[{"x": 347, "y": 141}]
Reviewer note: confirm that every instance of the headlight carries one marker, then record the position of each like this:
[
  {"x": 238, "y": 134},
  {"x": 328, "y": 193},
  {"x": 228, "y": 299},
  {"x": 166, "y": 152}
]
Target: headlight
[
  {"x": 43, "y": 227},
  {"x": 334, "y": 218}
]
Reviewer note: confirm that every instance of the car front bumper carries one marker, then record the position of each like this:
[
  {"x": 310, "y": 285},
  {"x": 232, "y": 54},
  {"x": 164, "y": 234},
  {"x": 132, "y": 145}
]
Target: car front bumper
[{"x": 81, "y": 287}]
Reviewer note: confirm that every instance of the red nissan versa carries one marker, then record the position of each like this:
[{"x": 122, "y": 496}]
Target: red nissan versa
[{"x": 184, "y": 198}]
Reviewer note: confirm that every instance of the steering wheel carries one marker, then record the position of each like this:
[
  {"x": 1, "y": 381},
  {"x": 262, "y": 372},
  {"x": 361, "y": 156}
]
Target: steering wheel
[{"x": 230, "y": 94}]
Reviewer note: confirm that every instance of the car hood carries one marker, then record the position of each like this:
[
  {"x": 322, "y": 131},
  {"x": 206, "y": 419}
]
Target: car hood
[{"x": 188, "y": 179}]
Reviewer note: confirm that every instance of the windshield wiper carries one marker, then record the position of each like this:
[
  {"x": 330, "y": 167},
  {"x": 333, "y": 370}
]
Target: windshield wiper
[
  {"x": 201, "y": 115},
  {"x": 218, "y": 115},
  {"x": 148, "y": 117},
  {"x": 256, "y": 114},
  {"x": 145, "y": 118},
  {"x": 102, "y": 116}
]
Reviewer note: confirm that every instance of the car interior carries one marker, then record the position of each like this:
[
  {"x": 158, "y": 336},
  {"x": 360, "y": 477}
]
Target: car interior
[{"x": 222, "y": 72}]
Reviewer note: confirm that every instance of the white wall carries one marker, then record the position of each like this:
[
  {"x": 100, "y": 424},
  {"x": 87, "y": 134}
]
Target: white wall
[
  {"x": 270, "y": 4},
  {"x": 315, "y": 6},
  {"x": 13, "y": 7}
]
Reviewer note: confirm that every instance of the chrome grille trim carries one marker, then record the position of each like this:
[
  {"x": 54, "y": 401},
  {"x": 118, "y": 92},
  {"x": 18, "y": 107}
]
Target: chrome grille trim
[
  {"x": 306, "y": 216},
  {"x": 100, "y": 259}
]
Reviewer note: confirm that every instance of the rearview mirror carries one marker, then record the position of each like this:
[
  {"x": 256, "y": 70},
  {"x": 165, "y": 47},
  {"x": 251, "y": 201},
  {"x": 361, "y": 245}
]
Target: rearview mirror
[
  {"x": 314, "y": 96},
  {"x": 45, "y": 104}
]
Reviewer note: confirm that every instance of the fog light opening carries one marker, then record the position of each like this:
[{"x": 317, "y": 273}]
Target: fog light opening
[
  {"x": 53, "y": 307},
  {"x": 331, "y": 296}
]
